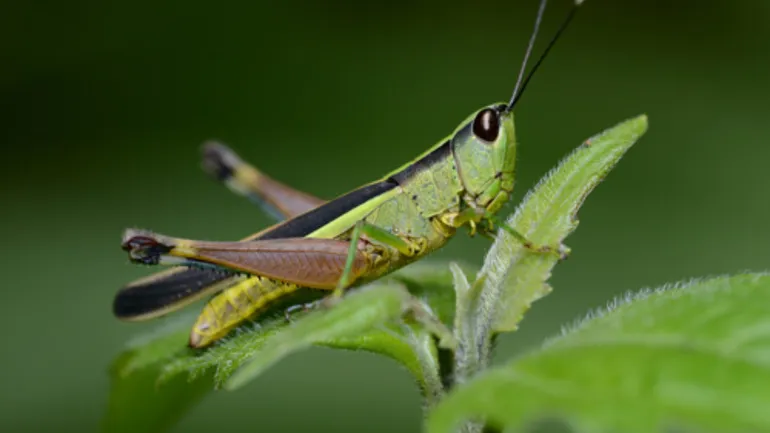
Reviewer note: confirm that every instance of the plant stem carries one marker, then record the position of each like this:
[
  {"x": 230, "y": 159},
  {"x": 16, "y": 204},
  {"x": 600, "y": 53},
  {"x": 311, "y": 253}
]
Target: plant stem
[
  {"x": 471, "y": 358},
  {"x": 425, "y": 349}
]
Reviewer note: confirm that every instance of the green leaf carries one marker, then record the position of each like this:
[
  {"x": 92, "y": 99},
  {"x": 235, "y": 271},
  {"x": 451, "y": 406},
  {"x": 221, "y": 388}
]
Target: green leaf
[
  {"x": 137, "y": 402},
  {"x": 358, "y": 312},
  {"x": 467, "y": 359},
  {"x": 514, "y": 276},
  {"x": 430, "y": 283},
  {"x": 227, "y": 355},
  {"x": 158, "y": 369},
  {"x": 388, "y": 340},
  {"x": 163, "y": 343},
  {"x": 149, "y": 393},
  {"x": 693, "y": 356}
]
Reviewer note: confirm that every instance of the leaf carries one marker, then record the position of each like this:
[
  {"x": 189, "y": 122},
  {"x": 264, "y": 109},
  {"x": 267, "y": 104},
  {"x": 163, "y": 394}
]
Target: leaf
[
  {"x": 464, "y": 302},
  {"x": 514, "y": 276},
  {"x": 227, "y": 355},
  {"x": 432, "y": 281},
  {"x": 428, "y": 282},
  {"x": 137, "y": 402},
  {"x": 387, "y": 340},
  {"x": 149, "y": 393},
  {"x": 467, "y": 354},
  {"x": 357, "y": 313},
  {"x": 163, "y": 343},
  {"x": 693, "y": 356},
  {"x": 158, "y": 369}
]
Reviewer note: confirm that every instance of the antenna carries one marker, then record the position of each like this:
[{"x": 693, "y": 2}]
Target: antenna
[
  {"x": 530, "y": 45},
  {"x": 519, "y": 88}
]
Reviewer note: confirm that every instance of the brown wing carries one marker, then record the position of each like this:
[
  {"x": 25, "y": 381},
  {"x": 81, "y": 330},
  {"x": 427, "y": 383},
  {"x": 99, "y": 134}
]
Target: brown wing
[
  {"x": 308, "y": 262},
  {"x": 279, "y": 199}
]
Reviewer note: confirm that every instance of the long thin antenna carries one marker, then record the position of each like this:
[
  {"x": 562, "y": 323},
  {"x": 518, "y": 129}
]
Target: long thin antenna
[
  {"x": 530, "y": 45},
  {"x": 520, "y": 90}
]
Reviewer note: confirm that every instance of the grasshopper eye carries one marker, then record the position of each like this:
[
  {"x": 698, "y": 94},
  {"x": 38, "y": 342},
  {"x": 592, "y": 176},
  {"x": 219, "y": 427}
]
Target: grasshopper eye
[{"x": 486, "y": 125}]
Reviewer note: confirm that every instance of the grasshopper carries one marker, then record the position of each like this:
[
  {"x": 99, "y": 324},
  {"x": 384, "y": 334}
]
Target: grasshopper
[{"x": 461, "y": 181}]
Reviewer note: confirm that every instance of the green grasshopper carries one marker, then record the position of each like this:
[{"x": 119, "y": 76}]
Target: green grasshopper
[{"x": 462, "y": 181}]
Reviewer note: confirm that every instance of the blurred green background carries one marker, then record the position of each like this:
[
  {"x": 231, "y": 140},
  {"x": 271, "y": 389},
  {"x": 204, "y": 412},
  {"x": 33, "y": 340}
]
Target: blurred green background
[{"x": 104, "y": 105}]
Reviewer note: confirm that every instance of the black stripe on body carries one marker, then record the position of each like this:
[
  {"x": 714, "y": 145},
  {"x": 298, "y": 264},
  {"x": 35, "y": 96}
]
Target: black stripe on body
[
  {"x": 154, "y": 294},
  {"x": 438, "y": 154},
  {"x": 424, "y": 163},
  {"x": 314, "y": 219}
]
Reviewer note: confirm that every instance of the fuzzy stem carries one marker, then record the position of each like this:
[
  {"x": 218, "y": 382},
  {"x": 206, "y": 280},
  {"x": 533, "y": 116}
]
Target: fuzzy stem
[
  {"x": 425, "y": 349},
  {"x": 471, "y": 352}
]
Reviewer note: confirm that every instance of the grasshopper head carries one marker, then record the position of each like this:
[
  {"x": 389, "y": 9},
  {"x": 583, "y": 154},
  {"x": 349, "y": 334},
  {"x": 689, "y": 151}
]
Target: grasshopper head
[{"x": 484, "y": 147}]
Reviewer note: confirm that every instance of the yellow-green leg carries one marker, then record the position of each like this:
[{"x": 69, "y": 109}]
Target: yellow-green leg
[
  {"x": 472, "y": 216},
  {"x": 376, "y": 235},
  {"x": 561, "y": 250}
]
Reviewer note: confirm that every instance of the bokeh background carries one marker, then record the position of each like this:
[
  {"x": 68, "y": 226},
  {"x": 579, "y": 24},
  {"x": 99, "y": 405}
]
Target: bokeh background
[{"x": 105, "y": 104}]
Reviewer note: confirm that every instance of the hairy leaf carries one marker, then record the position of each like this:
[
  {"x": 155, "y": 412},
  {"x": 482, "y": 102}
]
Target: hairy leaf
[
  {"x": 693, "y": 357},
  {"x": 137, "y": 401},
  {"x": 166, "y": 342},
  {"x": 430, "y": 283},
  {"x": 159, "y": 370},
  {"x": 357, "y": 313},
  {"x": 514, "y": 276}
]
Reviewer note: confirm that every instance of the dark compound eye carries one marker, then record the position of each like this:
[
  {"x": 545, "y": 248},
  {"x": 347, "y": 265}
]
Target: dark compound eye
[{"x": 486, "y": 125}]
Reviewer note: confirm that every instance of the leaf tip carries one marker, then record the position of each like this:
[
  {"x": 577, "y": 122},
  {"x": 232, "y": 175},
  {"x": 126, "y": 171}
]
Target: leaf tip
[
  {"x": 640, "y": 123},
  {"x": 643, "y": 119}
]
